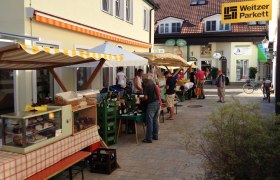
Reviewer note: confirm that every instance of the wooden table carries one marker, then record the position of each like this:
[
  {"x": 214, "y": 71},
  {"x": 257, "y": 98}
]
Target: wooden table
[
  {"x": 139, "y": 118},
  {"x": 60, "y": 166}
]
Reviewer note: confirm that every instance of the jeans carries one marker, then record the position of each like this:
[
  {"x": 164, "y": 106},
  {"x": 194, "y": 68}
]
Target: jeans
[{"x": 152, "y": 114}]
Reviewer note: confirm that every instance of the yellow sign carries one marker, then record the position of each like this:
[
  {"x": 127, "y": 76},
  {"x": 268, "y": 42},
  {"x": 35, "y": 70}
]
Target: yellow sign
[{"x": 247, "y": 11}]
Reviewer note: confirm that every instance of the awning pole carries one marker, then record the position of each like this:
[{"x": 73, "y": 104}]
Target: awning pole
[
  {"x": 178, "y": 70},
  {"x": 55, "y": 76},
  {"x": 93, "y": 75}
]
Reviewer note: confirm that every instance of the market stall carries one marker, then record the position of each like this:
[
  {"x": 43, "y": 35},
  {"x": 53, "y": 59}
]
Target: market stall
[{"x": 47, "y": 135}]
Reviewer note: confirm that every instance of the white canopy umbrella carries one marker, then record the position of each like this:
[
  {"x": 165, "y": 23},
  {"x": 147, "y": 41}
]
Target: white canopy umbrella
[{"x": 129, "y": 58}]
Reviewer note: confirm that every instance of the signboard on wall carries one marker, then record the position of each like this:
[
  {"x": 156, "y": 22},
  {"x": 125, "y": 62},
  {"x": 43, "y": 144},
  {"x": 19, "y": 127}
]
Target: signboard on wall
[
  {"x": 248, "y": 11},
  {"x": 242, "y": 50},
  {"x": 206, "y": 51}
]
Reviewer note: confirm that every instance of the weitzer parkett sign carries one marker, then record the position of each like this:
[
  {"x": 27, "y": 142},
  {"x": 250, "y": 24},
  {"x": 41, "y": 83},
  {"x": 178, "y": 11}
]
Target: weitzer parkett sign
[{"x": 246, "y": 11}]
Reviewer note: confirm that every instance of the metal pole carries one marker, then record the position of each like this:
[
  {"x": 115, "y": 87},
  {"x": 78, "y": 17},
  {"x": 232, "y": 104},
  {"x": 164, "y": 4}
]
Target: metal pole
[{"x": 277, "y": 85}]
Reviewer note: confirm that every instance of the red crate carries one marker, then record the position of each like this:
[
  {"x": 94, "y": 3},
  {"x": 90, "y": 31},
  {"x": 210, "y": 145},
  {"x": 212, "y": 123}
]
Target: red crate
[{"x": 93, "y": 147}]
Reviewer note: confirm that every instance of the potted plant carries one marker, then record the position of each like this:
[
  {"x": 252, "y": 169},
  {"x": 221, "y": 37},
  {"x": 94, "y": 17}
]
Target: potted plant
[
  {"x": 252, "y": 72},
  {"x": 214, "y": 75}
]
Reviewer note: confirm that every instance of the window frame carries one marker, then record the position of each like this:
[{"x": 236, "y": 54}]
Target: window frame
[
  {"x": 224, "y": 27},
  {"x": 118, "y": 15},
  {"x": 128, "y": 8},
  {"x": 146, "y": 18},
  {"x": 211, "y": 26},
  {"x": 176, "y": 27}
]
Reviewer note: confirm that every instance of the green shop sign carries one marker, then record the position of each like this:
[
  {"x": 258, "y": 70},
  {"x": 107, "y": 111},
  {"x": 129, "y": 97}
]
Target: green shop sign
[
  {"x": 170, "y": 42},
  {"x": 181, "y": 42}
]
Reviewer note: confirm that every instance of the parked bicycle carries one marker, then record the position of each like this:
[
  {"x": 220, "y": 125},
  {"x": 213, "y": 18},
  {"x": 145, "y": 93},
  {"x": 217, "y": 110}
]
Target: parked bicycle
[{"x": 251, "y": 86}]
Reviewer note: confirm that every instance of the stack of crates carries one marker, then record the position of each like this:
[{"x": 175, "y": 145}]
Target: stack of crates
[{"x": 107, "y": 121}]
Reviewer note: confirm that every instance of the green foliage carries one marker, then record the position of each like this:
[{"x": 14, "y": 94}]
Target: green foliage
[
  {"x": 214, "y": 73},
  {"x": 252, "y": 72},
  {"x": 239, "y": 145}
]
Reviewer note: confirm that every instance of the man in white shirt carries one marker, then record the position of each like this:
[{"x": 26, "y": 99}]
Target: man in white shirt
[{"x": 121, "y": 78}]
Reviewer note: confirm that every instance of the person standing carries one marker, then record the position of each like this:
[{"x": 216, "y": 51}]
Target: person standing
[
  {"x": 200, "y": 76},
  {"x": 170, "y": 93},
  {"x": 221, "y": 84},
  {"x": 152, "y": 111},
  {"x": 121, "y": 78},
  {"x": 193, "y": 80},
  {"x": 138, "y": 88}
]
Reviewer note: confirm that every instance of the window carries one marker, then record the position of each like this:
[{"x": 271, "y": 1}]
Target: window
[
  {"x": 210, "y": 25},
  {"x": 176, "y": 27},
  {"x": 242, "y": 70},
  {"x": 128, "y": 10},
  {"x": 166, "y": 28},
  {"x": 224, "y": 27},
  {"x": 146, "y": 20},
  {"x": 201, "y": 2},
  {"x": 193, "y": 2},
  {"x": 252, "y": 23},
  {"x": 261, "y": 22},
  {"x": 161, "y": 28},
  {"x": 105, "y": 5},
  {"x": 117, "y": 8}
]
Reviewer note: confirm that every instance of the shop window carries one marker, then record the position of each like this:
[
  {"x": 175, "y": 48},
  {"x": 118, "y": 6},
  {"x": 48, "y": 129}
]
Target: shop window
[
  {"x": 206, "y": 65},
  {"x": 210, "y": 26},
  {"x": 83, "y": 74},
  {"x": 45, "y": 84},
  {"x": 262, "y": 22},
  {"x": 146, "y": 19},
  {"x": 242, "y": 69},
  {"x": 176, "y": 27},
  {"x": 6, "y": 92}
]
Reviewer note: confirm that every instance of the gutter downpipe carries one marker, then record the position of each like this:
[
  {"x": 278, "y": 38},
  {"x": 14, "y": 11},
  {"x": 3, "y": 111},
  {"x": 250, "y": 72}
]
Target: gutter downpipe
[{"x": 151, "y": 31}]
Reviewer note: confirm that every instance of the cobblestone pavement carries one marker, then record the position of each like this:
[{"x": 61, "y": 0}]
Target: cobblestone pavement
[{"x": 176, "y": 154}]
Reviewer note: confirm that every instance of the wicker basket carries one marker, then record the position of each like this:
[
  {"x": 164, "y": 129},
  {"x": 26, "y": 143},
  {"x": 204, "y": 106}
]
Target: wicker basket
[{"x": 66, "y": 98}]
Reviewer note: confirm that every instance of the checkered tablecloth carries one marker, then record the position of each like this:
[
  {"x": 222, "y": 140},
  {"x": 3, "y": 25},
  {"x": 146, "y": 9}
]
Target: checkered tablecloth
[{"x": 20, "y": 166}]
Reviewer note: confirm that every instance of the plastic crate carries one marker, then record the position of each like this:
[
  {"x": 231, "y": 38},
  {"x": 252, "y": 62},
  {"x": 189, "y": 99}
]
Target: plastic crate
[{"x": 103, "y": 161}]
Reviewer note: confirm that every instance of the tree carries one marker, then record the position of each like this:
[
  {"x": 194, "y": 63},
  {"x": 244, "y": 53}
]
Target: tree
[{"x": 252, "y": 72}]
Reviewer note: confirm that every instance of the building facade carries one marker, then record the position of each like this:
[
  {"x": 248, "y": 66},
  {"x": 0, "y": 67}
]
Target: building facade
[
  {"x": 233, "y": 48},
  {"x": 73, "y": 25}
]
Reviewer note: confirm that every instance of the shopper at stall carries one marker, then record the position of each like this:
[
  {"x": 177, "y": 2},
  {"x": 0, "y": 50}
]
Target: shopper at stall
[
  {"x": 170, "y": 93},
  {"x": 138, "y": 88},
  {"x": 152, "y": 111},
  {"x": 200, "y": 78},
  {"x": 193, "y": 80},
  {"x": 121, "y": 78},
  {"x": 221, "y": 84}
]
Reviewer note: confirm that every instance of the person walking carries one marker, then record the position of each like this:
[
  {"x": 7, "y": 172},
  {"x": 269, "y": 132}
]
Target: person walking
[
  {"x": 193, "y": 80},
  {"x": 221, "y": 84},
  {"x": 121, "y": 78},
  {"x": 170, "y": 93},
  {"x": 152, "y": 111}
]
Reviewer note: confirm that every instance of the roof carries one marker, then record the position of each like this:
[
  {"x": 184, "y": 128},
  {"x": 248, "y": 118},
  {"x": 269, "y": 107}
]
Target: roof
[
  {"x": 193, "y": 15},
  {"x": 14, "y": 56},
  {"x": 151, "y": 2}
]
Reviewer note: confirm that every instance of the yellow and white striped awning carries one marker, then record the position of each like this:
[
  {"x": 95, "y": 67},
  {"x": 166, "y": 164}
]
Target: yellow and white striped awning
[
  {"x": 14, "y": 56},
  {"x": 165, "y": 59}
]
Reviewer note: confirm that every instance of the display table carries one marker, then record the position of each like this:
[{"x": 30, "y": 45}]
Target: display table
[
  {"x": 139, "y": 118},
  {"x": 22, "y": 166},
  {"x": 62, "y": 165}
]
